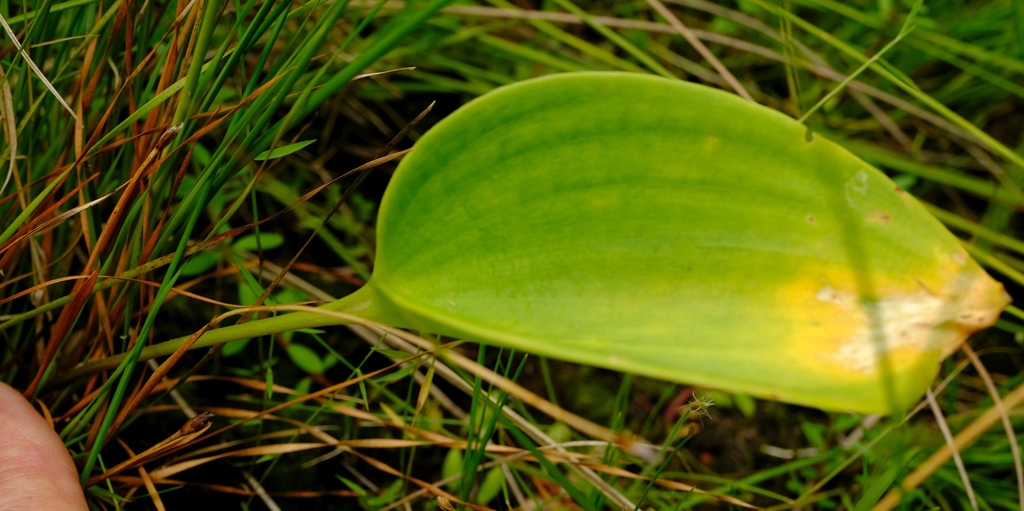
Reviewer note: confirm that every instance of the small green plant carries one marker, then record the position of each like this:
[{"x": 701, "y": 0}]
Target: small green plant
[{"x": 665, "y": 229}]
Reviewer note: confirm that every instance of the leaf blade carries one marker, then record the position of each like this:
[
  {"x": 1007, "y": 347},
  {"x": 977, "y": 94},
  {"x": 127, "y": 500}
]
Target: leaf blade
[{"x": 672, "y": 230}]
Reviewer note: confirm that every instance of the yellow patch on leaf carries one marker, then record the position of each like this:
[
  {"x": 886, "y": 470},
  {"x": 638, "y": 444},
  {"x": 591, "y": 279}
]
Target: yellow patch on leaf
[{"x": 844, "y": 332}]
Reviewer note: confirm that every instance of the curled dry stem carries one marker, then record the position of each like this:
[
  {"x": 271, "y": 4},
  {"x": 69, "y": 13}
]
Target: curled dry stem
[{"x": 188, "y": 433}]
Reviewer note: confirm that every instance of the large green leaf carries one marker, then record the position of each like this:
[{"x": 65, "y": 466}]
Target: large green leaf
[{"x": 672, "y": 230}]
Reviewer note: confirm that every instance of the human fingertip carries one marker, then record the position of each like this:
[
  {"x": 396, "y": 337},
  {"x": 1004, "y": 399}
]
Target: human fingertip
[{"x": 36, "y": 471}]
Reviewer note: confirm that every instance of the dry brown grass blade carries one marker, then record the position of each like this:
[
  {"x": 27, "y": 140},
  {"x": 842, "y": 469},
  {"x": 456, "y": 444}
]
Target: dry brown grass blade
[
  {"x": 214, "y": 274},
  {"x": 189, "y": 433},
  {"x": 97, "y": 366},
  {"x": 817, "y": 66},
  {"x": 64, "y": 323},
  {"x": 558, "y": 457},
  {"x": 634, "y": 446},
  {"x": 262, "y": 450},
  {"x": 963, "y": 439},
  {"x": 687, "y": 34},
  {"x": 427, "y": 347},
  {"x": 203, "y": 451},
  {"x": 72, "y": 374},
  {"x": 356, "y": 77},
  {"x": 36, "y": 70},
  {"x": 320, "y": 393},
  {"x": 668, "y": 483},
  {"x": 113, "y": 224},
  {"x": 84, "y": 90},
  {"x": 437, "y": 439},
  {"x": 585, "y": 426},
  {"x": 249, "y": 383},
  {"x": 234, "y": 490},
  {"x": 46, "y": 413},
  {"x": 90, "y": 394},
  {"x": 503, "y": 462},
  {"x": 182, "y": 291},
  {"x": 28, "y": 228},
  {"x": 268, "y": 501},
  {"x": 126, "y": 140},
  {"x": 1004, "y": 414},
  {"x": 213, "y": 124},
  {"x": 108, "y": 113},
  {"x": 175, "y": 184},
  {"x": 147, "y": 481},
  {"x": 164, "y": 260},
  {"x": 429, "y": 487},
  {"x": 37, "y": 287},
  {"x": 282, "y": 448},
  {"x": 154, "y": 379},
  {"x": 941, "y": 421},
  {"x": 429, "y": 438},
  {"x": 425, "y": 434},
  {"x": 373, "y": 334},
  {"x": 527, "y": 14},
  {"x": 238, "y": 413},
  {"x": 58, "y": 171},
  {"x": 10, "y": 128}
]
